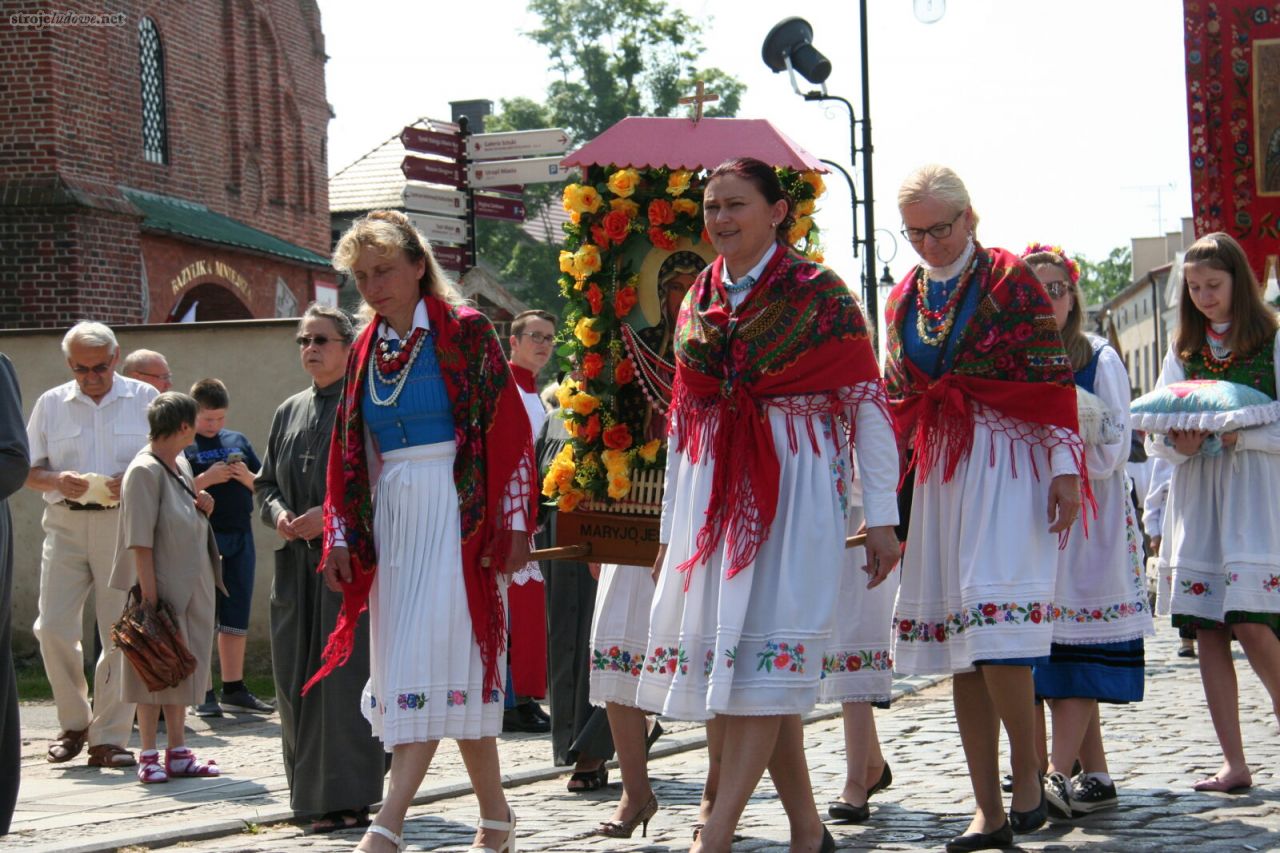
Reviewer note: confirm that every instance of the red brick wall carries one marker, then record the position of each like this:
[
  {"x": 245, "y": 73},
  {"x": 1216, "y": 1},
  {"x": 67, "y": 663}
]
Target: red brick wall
[{"x": 246, "y": 119}]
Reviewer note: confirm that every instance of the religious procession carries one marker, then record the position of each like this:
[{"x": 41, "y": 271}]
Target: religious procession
[{"x": 977, "y": 556}]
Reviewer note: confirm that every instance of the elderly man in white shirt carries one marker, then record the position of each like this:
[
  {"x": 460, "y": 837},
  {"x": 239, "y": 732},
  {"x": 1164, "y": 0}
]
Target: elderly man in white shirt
[{"x": 83, "y": 434}]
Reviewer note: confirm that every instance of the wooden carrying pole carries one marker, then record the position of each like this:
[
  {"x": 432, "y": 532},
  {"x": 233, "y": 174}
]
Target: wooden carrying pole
[{"x": 583, "y": 549}]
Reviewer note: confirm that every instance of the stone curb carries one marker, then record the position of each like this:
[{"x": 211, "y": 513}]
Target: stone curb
[{"x": 669, "y": 745}]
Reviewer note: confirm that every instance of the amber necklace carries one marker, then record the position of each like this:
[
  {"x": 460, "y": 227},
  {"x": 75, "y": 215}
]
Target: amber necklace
[{"x": 943, "y": 318}]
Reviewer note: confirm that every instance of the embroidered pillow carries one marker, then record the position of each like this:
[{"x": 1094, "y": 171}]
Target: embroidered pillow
[
  {"x": 1214, "y": 405},
  {"x": 1098, "y": 425}
]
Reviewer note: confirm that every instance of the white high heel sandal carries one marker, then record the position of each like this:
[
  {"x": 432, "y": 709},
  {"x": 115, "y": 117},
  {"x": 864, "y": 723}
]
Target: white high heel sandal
[
  {"x": 509, "y": 845},
  {"x": 375, "y": 829}
]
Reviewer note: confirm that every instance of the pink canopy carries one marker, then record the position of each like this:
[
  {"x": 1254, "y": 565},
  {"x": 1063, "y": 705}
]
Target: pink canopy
[{"x": 678, "y": 143}]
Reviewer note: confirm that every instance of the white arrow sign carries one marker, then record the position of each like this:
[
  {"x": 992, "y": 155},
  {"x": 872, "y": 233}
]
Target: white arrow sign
[
  {"x": 519, "y": 143},
  {"x": 440, "y": 228},
  {"x": 424, "y": 199},
  {"x": 534, "y": 170}
]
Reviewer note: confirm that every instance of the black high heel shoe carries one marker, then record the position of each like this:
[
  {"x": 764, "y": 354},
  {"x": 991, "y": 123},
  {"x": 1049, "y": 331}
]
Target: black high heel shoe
[
  {"x": 886, "y": 779},
  {"x": 1030, "y": 821},
  {"x": 996, "y": 840}
]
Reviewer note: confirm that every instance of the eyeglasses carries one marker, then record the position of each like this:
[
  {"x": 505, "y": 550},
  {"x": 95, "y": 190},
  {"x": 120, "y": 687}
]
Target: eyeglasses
[
  {"x": 305, "y": 341},
  {"x": 97, "y": 369},
  {"x": 538, "y": 338},
  {"x": 1057, "y": 289},
  {"x": 163, "y": 377},
  {"x": 941, "y": 231}
]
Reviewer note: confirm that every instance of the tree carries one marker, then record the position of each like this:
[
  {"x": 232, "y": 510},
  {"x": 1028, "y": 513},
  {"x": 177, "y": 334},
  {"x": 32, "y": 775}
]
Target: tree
[
  {"x": 1104, "y": 279},
  {"x": 616, "y": 58}
]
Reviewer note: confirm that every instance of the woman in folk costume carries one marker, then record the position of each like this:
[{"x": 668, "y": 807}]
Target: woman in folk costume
[
  {"x": 1221, "y": 541},
  {"x": 430, "y": 494},
  {"x": 1100, "y": 608},
  {"x": 982, "y": 392},
  {"x": 774, "y": 369}
]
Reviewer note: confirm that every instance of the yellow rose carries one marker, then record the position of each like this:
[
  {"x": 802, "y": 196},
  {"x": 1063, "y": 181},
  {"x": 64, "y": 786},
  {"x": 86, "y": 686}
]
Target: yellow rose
[
  {"x": 565, "y": 391},
  {"x": 589, "y": 200},
  {"x": 627, "y": 205},
  {"x": 814, "y": 180},
  {"x": 569, "y": 198},
  {"x": 623, "y": 182},
  {"x": 678, "y": 182},
  {"x": 566, "y": 262},
  {"x": 619, "y": 485},
  {"x": 805, "y": 207},
  {"x": 571, "y": 427},
  {"x": 686, "y": 206},
  {"x": 800, "y": 229},
  {"x": 586, "y": 261},
  {"x": 575, "y": 217},
  {"x": 649, "y": 450},
  {"x": 569, "y": 500},
  {"x": 615, "y": 461},
  {"x": 583, "y": 404},
  {"x": 585, "y": 331}
]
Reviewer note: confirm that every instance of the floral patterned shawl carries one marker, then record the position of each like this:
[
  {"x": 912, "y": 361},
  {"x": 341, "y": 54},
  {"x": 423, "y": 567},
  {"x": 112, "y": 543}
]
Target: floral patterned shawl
[{"x": 494, "y": 451}]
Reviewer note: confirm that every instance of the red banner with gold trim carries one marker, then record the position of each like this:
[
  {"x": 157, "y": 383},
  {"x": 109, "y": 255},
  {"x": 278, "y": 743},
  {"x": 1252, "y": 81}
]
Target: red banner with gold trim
[{"x": 1233, "y": 107}]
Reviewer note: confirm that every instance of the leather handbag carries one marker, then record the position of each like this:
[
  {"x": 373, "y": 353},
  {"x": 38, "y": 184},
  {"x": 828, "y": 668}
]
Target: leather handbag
[{"x": 150, "y": 639}]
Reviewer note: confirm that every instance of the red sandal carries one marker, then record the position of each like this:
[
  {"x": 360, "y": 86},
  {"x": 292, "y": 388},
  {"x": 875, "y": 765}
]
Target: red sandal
[
  {"x": 181, "y": 761},
  {"x": 149, "y": 770}
]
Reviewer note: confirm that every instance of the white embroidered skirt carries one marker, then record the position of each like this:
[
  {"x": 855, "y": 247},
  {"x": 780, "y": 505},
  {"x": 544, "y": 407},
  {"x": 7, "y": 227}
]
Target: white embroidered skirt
[
  {"x": 426, "y": 679},
  {"x": 751, "y": 644},
  {"x": 619, "y": 632},
  {"x": 858, "y": 665}
]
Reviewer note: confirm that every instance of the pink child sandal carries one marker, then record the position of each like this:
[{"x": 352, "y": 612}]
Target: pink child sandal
[
  {"x": 149, "y": 770},
  {"x": 183, "y": 762}
]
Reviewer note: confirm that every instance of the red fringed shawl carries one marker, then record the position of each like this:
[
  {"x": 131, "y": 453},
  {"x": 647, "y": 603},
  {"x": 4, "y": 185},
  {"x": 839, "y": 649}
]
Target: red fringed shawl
[
  {"x": 1008, "y": 358},
  {"x": 798, "y": 334},
  {"x": 493, "y": 446}
]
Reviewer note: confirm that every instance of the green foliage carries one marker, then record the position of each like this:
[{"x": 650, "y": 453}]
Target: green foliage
[{"x": 1104, "y": 279}]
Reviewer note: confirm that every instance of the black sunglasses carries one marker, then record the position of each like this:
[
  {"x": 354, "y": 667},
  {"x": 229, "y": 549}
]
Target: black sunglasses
[{"x": 305, "y": 341}]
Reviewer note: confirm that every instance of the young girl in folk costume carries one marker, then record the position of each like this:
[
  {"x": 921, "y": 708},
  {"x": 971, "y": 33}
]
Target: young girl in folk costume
[
  {"x": 1100, "y": 608},
  {"x": 1221, "y": 541}
]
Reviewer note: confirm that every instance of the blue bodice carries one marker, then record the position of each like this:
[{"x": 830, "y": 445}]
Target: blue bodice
[
  {"x": 923, "y": 355},
  {"x": 420, "y": 415}
]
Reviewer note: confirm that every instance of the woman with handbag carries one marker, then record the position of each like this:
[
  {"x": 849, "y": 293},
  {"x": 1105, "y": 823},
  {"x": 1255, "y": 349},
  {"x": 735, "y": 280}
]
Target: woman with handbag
[{"x": 165, "y": 545}]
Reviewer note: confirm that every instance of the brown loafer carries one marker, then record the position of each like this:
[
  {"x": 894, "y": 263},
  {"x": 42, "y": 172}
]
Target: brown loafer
[
  {"x": 67, "y": 746},
  {"x": 110, "y": 755}
]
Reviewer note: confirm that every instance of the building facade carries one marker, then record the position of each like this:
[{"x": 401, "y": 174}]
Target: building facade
[{"x": 162, "y": 161}]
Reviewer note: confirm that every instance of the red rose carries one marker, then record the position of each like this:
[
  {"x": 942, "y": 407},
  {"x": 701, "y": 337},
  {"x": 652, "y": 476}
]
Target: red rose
[
  {"x": 989, "y": 610},
  {"x": 904, "y": 627},
  {"x": 781, "y": 661},
  {"x": 617, "y": 225},
  {"x": 592, "y": 364},
  {"x": 1035, "y": 615},
  {"x": 1097, "y": 614},
  {"x": 661, "y": 239},
  {"x": 799, "y": 648},
  {"x": 671, "y": 666},
  {"x": 624, "y": 372},
  {"x": 853, "y": 664},
  {"x": 598, "y": 236},
  {"x": 595, "y": 298},
  {"x": 623, "y": 301},
  {"x": 614, "y": 651},
  {"x": 660, "y": 213},
  {"x": 591, "y": 431},
  {"x": 617, "y": 437},
  {"x": 1197, "y": 588},
  {"x": 940, "y": 633}
]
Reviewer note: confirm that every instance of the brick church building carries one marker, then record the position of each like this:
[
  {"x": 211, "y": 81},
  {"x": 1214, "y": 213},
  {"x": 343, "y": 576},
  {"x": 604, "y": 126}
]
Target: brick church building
[{"x": 162, "y": 161}]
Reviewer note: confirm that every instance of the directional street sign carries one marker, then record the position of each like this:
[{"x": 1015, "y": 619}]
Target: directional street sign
[
  {"x": 533, "y": 170},
  {"x": 446, "y": 144},
  {"x": 424, "y": 199},
  {"x": 452, "y": 258},
  {"x": 434, "y": 171},
  {"x": 520, "y": 143},
  {"x": 497, "y": 207},
  {"x": 441, "y": 228}
]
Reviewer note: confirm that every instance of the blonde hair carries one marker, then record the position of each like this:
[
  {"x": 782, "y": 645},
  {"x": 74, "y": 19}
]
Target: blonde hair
[
  {"x": 389, "y": 231},
  {"x": 1074, "y": 340},
  {"x": 941, "y": 183}
]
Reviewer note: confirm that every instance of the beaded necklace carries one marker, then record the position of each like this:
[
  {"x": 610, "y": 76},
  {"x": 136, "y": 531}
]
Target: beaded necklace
[
  {"x": 392, "y": 367},
  {"x": 945, "y": 317}
]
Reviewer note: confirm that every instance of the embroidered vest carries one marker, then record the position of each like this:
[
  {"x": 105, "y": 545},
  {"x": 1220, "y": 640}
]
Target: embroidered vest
[{"x": 1257, "y": 370}]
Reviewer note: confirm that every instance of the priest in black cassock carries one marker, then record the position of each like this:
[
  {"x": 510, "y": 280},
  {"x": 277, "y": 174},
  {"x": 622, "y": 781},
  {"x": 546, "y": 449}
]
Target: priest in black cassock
[{"x": 334, "y": 764}]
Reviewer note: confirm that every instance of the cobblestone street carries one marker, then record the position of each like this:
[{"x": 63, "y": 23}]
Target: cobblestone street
[{"x": 1157, "y": 749}]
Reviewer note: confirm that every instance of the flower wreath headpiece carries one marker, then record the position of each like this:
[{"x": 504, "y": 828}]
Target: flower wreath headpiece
[{"x": 1073, "y": 268}]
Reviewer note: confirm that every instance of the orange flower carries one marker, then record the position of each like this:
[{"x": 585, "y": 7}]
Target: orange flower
[
  {"x": 598, "y": 236},
  {"x": 624, "y": 182},
  {"x": 662, "y": 239},
  {"x": 624, "y": 371},
  {"x": 569, "y": 500},
  {"x": 617, "y": 225},
  {"x": 706, "y": 238},
  {"x": 583, "y": 404},
  {"x": 649, "y": 450},
  {"x": 623, "y": 301},
  {"x": 619, "y": 486},
  {"x": 685, "y": 206},
  {"x": 660, "y": 212},
  {"x": 595, "y": 298},
  {"x": 678, "y": 182},
  {"x": 617, "y": 437},
  {"x": 626, "y": 205},
  {"x": 592, "y": 364},
  {"x": 591, "y": 429}
]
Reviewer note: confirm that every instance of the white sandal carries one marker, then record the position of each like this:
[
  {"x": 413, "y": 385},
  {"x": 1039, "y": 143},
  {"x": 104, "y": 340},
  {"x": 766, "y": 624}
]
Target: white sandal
[
  {"x": 375, "y": 829},
  {"x": 509, "y": 845}
]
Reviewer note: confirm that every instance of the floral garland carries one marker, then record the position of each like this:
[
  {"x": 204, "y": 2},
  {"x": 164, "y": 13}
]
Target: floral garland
[
  {"x": 1071, "y": 265},
  {"x": 616, "y": 216}
]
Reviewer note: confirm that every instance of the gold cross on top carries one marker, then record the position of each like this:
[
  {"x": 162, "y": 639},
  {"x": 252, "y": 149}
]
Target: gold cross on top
[{"x": 698, "y": 99}]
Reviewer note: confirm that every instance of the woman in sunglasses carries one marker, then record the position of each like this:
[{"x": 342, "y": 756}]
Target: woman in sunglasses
[
  {"x": 983, "y": 395},
  {"x": 1100, "y": 607}
]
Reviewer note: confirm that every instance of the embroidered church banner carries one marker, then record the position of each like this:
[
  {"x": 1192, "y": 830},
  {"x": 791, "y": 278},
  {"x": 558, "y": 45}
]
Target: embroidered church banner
[{"x": 1233, "y": 108}]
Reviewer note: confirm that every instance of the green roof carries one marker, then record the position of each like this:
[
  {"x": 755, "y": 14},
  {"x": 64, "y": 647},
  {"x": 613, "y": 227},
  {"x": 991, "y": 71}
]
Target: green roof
[{"x": 188, "y": 219}]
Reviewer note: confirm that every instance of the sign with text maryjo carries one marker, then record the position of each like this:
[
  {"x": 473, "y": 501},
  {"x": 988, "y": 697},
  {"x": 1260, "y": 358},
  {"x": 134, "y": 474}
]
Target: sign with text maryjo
[
  {"x": 519, "y": 143},
  {"x": 532, "y": 170},
  {"x": 440, "y": 228},
  {"x": 498, "y": 207},
  {"x": 424, "y": 199}
]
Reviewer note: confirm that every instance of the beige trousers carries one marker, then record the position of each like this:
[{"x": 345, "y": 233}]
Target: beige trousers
[{"x": 79, "y": 548}]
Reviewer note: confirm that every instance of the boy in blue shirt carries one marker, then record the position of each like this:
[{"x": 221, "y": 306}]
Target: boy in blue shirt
[{"x": 225, "y": 464}]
